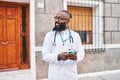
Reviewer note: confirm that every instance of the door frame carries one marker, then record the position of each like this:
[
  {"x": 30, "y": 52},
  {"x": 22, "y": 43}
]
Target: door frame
[
  {"x": 32, "y": 40},
  {"x": 20, "y": 65}
]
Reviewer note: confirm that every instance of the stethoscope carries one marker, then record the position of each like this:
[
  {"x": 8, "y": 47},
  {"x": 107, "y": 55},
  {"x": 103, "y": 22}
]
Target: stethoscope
[{"x": 63, "y": 41}]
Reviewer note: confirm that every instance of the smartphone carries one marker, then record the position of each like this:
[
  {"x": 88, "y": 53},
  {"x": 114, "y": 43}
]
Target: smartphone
[{"x": 71, "y": 51}]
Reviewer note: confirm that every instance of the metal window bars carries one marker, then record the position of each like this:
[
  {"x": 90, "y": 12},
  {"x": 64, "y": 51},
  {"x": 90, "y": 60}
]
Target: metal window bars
[{"x": 88, "y": 21}]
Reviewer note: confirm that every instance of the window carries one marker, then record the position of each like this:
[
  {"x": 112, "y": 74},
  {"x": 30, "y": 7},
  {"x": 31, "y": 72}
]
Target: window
[
  {"x": 81, "y": 22},
  {"x": 87, "y": 20},
  {"x": 24, "y": 37}
]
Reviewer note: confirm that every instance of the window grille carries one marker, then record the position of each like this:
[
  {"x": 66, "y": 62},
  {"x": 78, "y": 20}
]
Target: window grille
[
  {"x": 24, "y": 43},
  {"x": 87, "y": 20}
]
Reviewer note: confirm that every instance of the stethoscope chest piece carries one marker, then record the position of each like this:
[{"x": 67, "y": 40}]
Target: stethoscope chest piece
[{"x": 53, "y": 43}]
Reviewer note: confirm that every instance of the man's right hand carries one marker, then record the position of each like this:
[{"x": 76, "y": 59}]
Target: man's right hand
[{"x": 63, "y": 56}]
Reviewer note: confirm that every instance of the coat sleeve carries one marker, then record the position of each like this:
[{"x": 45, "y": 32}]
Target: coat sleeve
[
  {"x": 47, "y": 55},
  {"x": 80, "y": 50}
]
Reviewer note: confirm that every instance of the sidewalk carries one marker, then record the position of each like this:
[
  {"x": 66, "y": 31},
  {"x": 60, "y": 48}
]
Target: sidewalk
[
  {"x": 103, "y": 77},
  {"x": 106, "y": 75}
]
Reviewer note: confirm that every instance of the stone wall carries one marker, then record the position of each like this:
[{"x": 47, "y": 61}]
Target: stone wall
[
  {"x": 44, "y": 18},
  {"x": 94, "y": 61},
  {"x": 42, "y": 66},
  {"x": 100, "y": 61},
  {"x": 112, "y": 21}
]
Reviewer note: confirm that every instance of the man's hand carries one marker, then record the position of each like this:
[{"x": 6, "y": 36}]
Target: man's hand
[
  {"x": 63, "y": 56},
  {"x": 72, "y": 56}
]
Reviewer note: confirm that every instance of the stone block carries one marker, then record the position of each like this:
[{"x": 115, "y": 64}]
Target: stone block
[
  {"x": 111, "y": 24},
  {"x": 53, "y": 6},
  {"x": 108, "y": 37},
  {"x": 119, "y": 24},
  {"x": 90, "y": 63},
  {"x": 40, "y": 76},
  {"x": 44, "y": 22},
  {"x": 41, "y": 67},
  {"x": 39, "y": 38},
  {"x": 37, "y": 9},
  {"x": 107, "y": 10},
  {"x": 115, "y": 38},
  {"x": 115, "y": 10},
  {"x": 111, "y": 59}
]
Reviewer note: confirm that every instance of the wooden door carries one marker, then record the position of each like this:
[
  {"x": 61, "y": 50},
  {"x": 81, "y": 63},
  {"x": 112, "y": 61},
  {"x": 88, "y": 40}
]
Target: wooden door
[{"x": 10, "y": 38}]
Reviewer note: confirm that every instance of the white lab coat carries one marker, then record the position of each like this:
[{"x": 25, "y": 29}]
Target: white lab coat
[{"x": 62, "y": 70}]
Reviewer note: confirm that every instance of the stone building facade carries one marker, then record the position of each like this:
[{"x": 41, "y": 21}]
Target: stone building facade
[{"x": 94, "y": 61}]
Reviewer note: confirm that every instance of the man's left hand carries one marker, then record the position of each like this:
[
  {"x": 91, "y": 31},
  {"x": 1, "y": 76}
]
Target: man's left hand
[{"x": 72, "y": 56}]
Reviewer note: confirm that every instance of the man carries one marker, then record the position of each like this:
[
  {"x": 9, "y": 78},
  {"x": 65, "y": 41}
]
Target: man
[{"x": 62, "y": 48}]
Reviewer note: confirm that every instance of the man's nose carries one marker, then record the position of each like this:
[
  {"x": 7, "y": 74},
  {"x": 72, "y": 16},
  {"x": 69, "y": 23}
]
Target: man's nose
[{"x": 57, "y": 20}]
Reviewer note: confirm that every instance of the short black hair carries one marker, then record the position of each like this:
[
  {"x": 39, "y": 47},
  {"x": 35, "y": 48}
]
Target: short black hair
[{"x": 67, "y": 13}]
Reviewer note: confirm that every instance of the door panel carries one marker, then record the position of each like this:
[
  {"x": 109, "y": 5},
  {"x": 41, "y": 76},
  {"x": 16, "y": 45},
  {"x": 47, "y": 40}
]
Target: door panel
[
  {"x": 11, "y": 29},
  {"x": 11, "y": 54},
  {"x": 2, "y": 55},
  {"x": 11, "y": 11},
  {"x": 1, "y": 29},
  {"x": 1, "y": 10},
  {"x": 12, "y": 59}
]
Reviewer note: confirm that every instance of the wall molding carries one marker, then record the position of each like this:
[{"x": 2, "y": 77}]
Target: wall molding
[
  {"x": 107, "y": 46},
  {"x": 32, "y": 40}
]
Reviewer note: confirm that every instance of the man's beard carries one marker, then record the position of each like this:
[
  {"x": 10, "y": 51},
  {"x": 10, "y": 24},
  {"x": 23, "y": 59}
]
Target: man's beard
[{"x": 59, "y": 28}]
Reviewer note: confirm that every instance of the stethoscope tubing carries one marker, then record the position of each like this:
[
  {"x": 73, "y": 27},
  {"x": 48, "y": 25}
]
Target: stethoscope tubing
[{"x": 70, "y": 37}]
